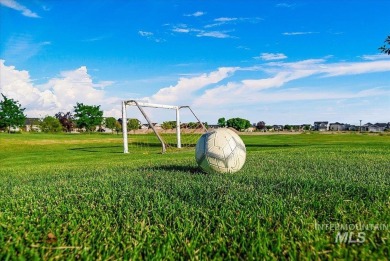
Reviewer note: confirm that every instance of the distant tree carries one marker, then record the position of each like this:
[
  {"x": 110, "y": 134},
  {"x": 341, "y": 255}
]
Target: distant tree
[
  {"x": 260, "y": 125},
  {"x": 386, "y": 47},
  {"x": 168, "y": 125},
  {"x": 50, "y": 124},
  {"x": 238, "y": 123},
  {"x": 295, "y": 127},
  {"x": 110, "y": 123},
  {"x": 133, "y": 124},
  {"x": 118, "y": 127},
  {"x": 11, "y": 114},
  {"x": 222, "y": 122},
  {"x": 269, "y": 127},
  {"x": 66, "y": 120},
  {"x": 193, "y": 125},
  {"x": 287, "y": 127},
  {"x": 88, "y": 116}
]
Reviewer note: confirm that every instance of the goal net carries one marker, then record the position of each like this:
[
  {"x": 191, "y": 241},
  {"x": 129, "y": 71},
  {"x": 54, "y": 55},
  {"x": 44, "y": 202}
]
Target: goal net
[{"x": 148, "y": 126}]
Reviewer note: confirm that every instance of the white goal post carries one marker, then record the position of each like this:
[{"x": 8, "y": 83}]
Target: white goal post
[{"x": 140, "y": 105}]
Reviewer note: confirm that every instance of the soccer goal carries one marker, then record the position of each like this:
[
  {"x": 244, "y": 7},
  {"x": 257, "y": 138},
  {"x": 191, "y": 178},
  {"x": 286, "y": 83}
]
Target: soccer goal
[{"x": 146, "y": 116}]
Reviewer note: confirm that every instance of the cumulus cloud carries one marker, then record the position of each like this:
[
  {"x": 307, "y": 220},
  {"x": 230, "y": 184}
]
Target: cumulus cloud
[
  {"x": 185, "y": 88},
  {"x": 18, "y": 85},
  {"x": 18, "y": 7},
  {"x": 103, "y": 84},
  {"x": 58, "y": 94}
]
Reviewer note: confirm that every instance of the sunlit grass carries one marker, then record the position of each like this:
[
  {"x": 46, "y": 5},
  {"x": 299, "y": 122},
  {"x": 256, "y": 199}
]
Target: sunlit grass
[{"x": 79, "y": 197}]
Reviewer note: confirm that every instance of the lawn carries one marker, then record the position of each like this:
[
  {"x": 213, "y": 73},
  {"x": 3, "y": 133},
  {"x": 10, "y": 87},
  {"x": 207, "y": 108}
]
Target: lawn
[{"x": 79, "y": 197}]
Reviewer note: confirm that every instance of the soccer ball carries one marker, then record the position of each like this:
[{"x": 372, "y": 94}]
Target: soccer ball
[{"x": 220, "y": 150}]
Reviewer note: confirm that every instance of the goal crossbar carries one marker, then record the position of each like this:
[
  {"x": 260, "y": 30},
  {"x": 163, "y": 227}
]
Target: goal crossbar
[
  {"x": 139, "y": 105},
  {"x": 152, "y": 105}
]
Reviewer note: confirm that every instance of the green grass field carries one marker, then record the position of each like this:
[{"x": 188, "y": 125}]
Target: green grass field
[{"x": 79, "y": 197}]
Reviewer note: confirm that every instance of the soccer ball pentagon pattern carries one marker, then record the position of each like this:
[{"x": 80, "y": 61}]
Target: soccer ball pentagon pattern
[{"x": 220, "y": 150}]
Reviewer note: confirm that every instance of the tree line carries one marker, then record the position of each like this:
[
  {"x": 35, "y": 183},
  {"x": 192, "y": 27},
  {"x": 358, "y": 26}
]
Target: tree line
[
  {"x": 84, "y": 117},
  {"x": 87, "y": 118},
  {"x": 168, "y": 125}
]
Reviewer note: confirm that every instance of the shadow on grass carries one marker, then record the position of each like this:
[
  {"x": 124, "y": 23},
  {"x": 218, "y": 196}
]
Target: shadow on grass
[
  {"x": 177, "y": 168},
  {"x": 101, "y": 149},
  {"x": 116, "y": 148},
  {"x": 145, "y": 144}
]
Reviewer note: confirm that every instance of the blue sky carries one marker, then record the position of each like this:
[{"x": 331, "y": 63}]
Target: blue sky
[{"x": 278, "y": 61}]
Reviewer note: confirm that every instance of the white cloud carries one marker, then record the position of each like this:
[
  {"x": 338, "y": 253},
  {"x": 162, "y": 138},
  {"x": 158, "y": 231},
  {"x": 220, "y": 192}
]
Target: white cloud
[
  {"x": 285, "y": 5},
  {"x": 225, "y": 19},
  {"x": 321, "y": 67},
  {"x": 214, "y": 34},
  {"x": 74, "y": 86},
  {"x": 373, "y": 57},
  {"x": 185, "y": 88},
  {"x": 271, "y": 56},
  {"x": 243, "y": 47},
  {"x": 261, "y": 84},
  {"x": 232, "y": 20},
  {"x": 46, "y": 8},
  {"x": 18, "y": 7},
  {"x": 18, "y": 85},
  {"x": 181, "y": 30},
  {"x": 298, "y": 33},
  {"x": 355, "y": 68},
  {"x": 150, "y": 36},
  {"x": 58, "y": 94},
  {"x": 103, "y": 84},
  {"x": 145, "y": 34},
  {"x": 251, "y": 91},
  {"x": 184, "y": 28},
  {"x": 227, "y": 89},
  {"x": 233, "y": 94},
  {"x": 22, "y": 47},
  {"x": 94, "y": 39},
  {"x": 196, "y": 14}
]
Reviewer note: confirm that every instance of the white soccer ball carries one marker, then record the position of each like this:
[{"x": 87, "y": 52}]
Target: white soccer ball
[{"x": 220, "y": 150}]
